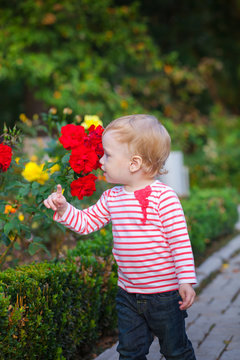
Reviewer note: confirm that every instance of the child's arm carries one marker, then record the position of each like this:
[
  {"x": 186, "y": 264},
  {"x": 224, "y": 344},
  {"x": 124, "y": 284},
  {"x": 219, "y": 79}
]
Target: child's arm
[
  {"x": 175, "y": 230},
  {"x": 57, "y": 202},
  {"x": 187, "y": 294},
  {"x": 80, "y": 221}
]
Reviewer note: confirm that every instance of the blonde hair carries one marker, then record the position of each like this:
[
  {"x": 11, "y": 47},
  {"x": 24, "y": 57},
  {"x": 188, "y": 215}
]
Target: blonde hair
[{"x": 146, "y": 137}]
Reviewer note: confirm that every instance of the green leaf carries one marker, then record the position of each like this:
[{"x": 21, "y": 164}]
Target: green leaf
[
  {"x": 49, "y": 165},
  {"x": 5, "y": 239},
  {"x": 27, "y": 231},
  {"x": 24, "y": 190},
  {"x": 35, "y": 185},
  {"x": 35, "y": 188},
  {"x": 36, "y": 246},
  {"x": 65, "y": 159},
  {"x": 8, "y": 227},
  {"x": 17, "y": 246}
]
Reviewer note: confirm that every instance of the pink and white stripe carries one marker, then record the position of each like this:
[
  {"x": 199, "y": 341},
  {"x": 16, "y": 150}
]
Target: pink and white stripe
[{"x": 152, "y": 257}]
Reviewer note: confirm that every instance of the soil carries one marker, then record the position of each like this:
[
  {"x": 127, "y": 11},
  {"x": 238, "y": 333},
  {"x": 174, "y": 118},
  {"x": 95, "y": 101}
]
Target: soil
[{"x": 104, "y": 343}]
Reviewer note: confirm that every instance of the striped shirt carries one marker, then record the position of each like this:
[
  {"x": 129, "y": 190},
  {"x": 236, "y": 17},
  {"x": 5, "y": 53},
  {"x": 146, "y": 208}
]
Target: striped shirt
[{"x": 154, "y": 255}]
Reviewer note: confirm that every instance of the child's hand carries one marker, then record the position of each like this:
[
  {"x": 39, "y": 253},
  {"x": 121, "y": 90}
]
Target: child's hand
[
  {"x": 187, "y": 294},
  {"x": 56, "y": 201}
]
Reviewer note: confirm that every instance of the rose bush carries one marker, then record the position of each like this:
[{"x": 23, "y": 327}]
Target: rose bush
[
  {"x": 86, "y": 151},
  {"x": 26, "y": 226}
]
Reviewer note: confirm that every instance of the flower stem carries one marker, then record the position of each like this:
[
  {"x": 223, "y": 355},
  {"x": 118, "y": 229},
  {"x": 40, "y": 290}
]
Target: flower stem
[{"x": 4, "y": 255}]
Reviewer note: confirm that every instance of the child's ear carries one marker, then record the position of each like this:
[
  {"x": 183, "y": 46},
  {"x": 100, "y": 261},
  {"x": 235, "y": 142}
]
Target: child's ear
[{"x": 135, "y": 163}]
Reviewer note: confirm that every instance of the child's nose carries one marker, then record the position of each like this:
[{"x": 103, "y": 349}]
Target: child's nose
[{"x": 101, "y": 160}]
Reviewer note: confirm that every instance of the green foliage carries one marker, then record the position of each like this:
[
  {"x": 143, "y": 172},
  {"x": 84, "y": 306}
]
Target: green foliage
[
  {"x": 212, "y": 151},
  {"x": 100, "y": 244},
  {"x": 210, "y": 213},
  {"x": 97, "y": 58},
  {"x": 76, "y": 53},
  {"x": 56, "y": 311},
  {"x": 28, "y": 226},
  {"x": 204, "y": 32}
]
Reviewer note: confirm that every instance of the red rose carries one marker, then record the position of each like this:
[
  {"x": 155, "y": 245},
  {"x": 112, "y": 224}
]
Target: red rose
[
  {"x": 83, "y": 160},
  {"x": 94, "y": 139},
  {"x": 84, "y": 186},
  {"x": 5, "y": 157},
  {"x": 72, "y": 136}
]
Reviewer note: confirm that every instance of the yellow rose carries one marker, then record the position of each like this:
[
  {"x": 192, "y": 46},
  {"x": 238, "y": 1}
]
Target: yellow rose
[
  {"x": 31, "y": 171},
  {"x": 34, "y": 172},
  {"x": 43, "y": 177},
  {"x": 25, "y": 120},
  {"x": 90, "y": 120},
  {"x": 23, "y": 117},
  {"x": 54, "y": 168},
  {"x": 21, "y": 217}
]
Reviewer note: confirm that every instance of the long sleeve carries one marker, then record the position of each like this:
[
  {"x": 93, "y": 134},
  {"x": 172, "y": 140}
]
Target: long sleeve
[
  {"x": 151, "y": 248},
  {"x": 176, "y": 233},
  {"x": 88, "y": 220}
]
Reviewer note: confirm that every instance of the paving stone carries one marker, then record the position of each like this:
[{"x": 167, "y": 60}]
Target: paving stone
[
  {"x": 109, "y": 354},
  {"x": 231, "y": 355},
  {"x": 227, "y": 251},
  {"x": 154, "y": 351},
  {"x": 209, "y": 266}
]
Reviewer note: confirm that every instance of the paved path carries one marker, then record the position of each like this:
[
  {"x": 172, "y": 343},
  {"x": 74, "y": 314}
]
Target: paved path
[
  {"x": 214, "y": 320},
  {"x": 213, "y": 324}
]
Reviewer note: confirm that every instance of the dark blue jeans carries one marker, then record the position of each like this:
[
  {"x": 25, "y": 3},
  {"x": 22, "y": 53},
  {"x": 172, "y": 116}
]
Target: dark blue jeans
[{"x": 141, "y": 316}]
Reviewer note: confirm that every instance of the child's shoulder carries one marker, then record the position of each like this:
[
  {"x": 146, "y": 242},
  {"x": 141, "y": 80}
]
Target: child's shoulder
[
  {"x": 165, "y": 195},
  {"x": 161, "y": 188},
  {"x": 114, "y": 191}
]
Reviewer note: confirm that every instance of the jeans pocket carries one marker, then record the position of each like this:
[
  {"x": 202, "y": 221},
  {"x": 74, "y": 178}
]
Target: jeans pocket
[
  {"x": 167, "y": 296},
  {"x": 172, "y": 293}
]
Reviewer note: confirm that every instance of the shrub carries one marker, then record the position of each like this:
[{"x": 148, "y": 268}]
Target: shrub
[
  {"x": 210, "y": 213},
  {"x": 55, "y": 311}
]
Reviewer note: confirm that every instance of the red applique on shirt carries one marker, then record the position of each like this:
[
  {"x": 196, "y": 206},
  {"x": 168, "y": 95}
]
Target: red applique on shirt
[{"x": 141, "y": 196}]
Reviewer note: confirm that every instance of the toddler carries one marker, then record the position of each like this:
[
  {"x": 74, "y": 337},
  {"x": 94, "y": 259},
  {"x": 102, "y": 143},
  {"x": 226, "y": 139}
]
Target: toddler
[{"x": 151, "y": 243}]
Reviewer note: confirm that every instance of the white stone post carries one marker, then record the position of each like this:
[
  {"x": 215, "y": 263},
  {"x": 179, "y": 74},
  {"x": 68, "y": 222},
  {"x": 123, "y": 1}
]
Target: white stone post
[{"x": 178, "y": 175}]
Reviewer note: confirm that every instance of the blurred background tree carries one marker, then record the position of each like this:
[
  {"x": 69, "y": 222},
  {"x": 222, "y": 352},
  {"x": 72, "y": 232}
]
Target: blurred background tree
[
  {"x": 176, "y": 60},
  {"x": 72, "y": 53},
  {"x": 200, "y": 32},
  {"x": 96, "y": 57}
]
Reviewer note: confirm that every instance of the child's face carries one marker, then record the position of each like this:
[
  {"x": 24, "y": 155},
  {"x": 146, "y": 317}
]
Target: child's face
[{"x": 116, "y": 160}]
